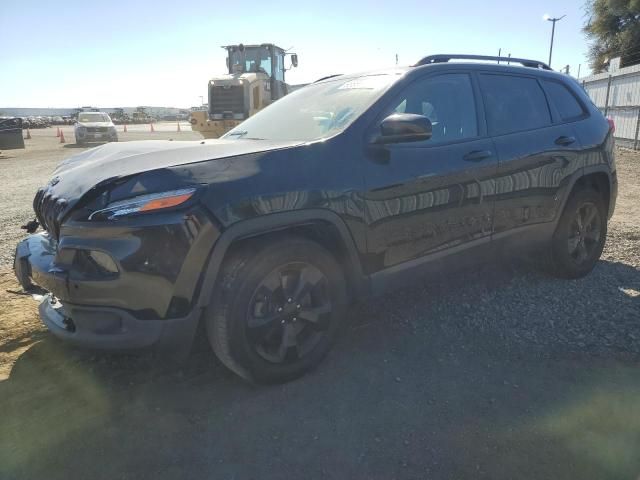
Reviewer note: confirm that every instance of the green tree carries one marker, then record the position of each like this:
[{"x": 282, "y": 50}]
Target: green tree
[{"x": 613, "y": 28}]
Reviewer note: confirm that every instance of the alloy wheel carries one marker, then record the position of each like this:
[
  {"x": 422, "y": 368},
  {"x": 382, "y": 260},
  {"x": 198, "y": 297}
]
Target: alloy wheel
[
  {"x": 584, "y": 233},
  {"x": 289, "y": 313}
]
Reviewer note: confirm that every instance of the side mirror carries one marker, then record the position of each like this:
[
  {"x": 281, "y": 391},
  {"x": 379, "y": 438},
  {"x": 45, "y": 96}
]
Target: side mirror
[
  {"x": 294, "y": 60},
  {"x": 404, "y": 127}
]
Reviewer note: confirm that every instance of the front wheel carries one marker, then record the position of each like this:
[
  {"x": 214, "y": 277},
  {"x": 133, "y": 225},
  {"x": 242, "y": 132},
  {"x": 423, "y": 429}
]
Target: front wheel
[
  {"x": 277, "y": 309},
  {"x": 580, "y": 235}
]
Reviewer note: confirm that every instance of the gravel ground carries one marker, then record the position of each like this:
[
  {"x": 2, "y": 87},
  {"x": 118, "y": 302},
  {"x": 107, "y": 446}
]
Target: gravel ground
[{"x": 500, "y": 372}]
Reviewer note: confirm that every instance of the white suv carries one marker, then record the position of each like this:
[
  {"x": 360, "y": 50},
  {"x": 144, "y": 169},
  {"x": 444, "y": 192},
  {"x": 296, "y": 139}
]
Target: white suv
[{"x": 95, "y": 127}]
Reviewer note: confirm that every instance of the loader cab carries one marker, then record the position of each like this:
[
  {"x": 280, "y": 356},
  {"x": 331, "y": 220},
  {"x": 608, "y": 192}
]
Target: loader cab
[{"x": 266, "y": 58}]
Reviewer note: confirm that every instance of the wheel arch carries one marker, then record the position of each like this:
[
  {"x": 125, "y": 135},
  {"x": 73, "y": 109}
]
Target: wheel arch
[
  {"x": 597, "y": 177},
  {"x": 322, "y": 226},
  {"x": 599, "y": 181}
]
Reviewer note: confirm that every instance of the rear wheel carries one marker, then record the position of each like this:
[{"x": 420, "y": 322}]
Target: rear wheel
[
  {"x": 580, "y": 235},
  {"x": 277, "y": 309}
]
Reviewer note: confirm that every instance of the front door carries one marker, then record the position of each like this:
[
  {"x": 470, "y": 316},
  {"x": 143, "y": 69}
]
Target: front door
[{"x": 433, "y": 196}]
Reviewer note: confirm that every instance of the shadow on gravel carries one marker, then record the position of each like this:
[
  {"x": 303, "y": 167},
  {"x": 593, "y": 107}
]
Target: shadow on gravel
[{"x": 481, "y": 375}]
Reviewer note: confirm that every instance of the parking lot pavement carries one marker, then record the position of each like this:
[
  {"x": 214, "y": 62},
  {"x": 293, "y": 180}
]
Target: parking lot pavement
[{"x": 496, "y": 373}]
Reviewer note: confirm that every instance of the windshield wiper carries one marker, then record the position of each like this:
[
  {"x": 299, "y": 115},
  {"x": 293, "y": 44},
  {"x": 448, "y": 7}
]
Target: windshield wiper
[{"x": 240, "y": 133}]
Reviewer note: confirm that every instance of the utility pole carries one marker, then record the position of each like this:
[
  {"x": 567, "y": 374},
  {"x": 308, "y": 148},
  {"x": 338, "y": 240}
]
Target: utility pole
[{"x": 553, "y": 31}]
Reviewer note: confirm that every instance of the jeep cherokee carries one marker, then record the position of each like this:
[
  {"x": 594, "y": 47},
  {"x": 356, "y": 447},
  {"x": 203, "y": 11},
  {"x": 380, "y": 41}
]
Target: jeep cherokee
[{"x": 344, "y": 188}]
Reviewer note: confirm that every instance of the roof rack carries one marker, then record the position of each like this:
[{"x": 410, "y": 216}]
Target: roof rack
[
  {"x": 443, "y": 58},
  {"x": 327, "y": 77}
]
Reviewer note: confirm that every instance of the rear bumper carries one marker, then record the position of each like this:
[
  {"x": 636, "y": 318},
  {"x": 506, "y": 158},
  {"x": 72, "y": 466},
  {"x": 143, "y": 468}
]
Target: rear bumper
[
  {"x": 613, "y": 195},
  {"x": 96, "y": 137}
]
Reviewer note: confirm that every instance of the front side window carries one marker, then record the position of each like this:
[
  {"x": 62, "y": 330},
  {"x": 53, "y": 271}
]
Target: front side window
[
  {"x": 448, "y": 101},
  {"x": 565, "y": 102},
  {"x": 317, "y": 111},
  {"x": 513, "y": 104}
]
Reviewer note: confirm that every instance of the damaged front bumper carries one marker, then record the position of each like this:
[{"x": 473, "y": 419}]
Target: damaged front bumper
[
  {"x": 114, "y": 329},
  {"x": 93, "y": 326}
]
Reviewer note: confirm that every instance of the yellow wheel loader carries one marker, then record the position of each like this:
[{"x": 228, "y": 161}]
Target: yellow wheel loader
[{"x": 255, "y": 78}]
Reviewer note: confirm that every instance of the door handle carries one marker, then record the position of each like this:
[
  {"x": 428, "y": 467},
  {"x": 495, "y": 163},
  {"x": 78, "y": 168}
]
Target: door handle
[
  {"x": 477, "y": 155},
  {"x": 564, "y": 141}
]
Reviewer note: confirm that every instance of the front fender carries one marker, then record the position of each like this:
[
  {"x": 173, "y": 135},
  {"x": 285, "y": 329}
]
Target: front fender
[{"x": 274, "y": 223}]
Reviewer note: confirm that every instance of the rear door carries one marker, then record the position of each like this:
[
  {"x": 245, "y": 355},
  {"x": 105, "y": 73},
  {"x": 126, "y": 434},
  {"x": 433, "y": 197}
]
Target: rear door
[
  {"x": 535, "y": 152},
  {"x": 11, "y": 134}
]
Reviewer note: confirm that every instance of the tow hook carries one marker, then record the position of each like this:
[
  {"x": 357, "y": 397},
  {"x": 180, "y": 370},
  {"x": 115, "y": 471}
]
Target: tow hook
[{"x": 31, "y": 226}]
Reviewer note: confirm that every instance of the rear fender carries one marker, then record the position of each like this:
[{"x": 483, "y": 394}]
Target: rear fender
[{"x": 578, "y": 176}]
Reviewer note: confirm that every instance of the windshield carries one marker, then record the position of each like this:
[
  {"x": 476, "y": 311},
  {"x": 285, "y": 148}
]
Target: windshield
[
  {"x": 93, "y": 117},
  {"x": 251, "y": 60},
  {"x": 316, "y": 111}
]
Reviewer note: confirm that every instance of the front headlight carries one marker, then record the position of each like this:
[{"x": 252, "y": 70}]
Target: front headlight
[{"x": 145, "y": 203}]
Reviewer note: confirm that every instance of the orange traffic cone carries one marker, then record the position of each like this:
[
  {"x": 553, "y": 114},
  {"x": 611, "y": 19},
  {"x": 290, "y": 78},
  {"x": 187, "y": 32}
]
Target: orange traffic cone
[
  {"x": 125, "y": 128},
  {"x": 179, "y": 127},
  {"x": 58, "y": 132},
  {"x": 151, "y": 125},
  {"x": 62, "y": 137},
  {"x": 28, "y": 137}
]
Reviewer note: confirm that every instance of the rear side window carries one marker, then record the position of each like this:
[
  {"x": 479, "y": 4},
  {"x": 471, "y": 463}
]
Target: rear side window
[
  {"x": 565, "y": 102},
  {"x": 513, "y": 104}
]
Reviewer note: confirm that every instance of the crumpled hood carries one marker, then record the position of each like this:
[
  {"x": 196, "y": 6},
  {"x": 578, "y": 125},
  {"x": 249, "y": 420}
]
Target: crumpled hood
[{"x": 80, "y": 173}]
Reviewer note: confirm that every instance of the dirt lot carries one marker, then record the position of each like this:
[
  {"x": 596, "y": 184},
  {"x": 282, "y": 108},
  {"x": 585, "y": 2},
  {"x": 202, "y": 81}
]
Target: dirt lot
[{"x": 496, "y": 373}]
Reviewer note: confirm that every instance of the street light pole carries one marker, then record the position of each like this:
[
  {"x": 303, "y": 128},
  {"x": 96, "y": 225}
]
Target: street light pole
[{"x": 553, "y": 31}]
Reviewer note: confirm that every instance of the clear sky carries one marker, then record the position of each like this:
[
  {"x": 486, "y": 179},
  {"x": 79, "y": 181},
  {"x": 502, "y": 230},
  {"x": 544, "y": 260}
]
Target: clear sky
[{"x": 114, "y": 53}]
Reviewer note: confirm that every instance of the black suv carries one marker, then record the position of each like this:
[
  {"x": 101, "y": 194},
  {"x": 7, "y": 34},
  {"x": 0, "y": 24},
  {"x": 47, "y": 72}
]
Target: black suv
[{"x": 344, "y": 188}]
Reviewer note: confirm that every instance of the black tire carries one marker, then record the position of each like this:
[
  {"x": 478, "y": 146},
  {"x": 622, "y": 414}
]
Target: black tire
[
  {"x": 563, "y": 260},
  {"x": 245, "y": 328}
]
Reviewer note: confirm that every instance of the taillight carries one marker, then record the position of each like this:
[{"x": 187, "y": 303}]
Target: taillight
[{"x": 612, "y": 125}]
